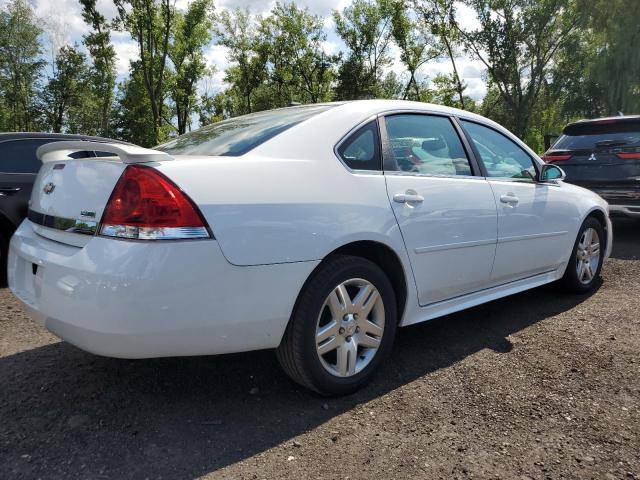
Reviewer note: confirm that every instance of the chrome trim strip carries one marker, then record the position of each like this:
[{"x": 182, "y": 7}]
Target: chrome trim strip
[
  {"x": 452, "y": 246},
  {"x": 531, "y": 237},
  {"x": 73, "y": 225},
  {"x": 149, "y": 233}
]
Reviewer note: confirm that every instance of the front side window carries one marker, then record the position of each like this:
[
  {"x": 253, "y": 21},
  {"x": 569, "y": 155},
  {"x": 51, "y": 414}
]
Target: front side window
[
  {"x": 236, "y": 136},
  {"x": 502, "y": 157},
  {"x": 426, "y": 144},
  {"x": 361, "y": 151}
]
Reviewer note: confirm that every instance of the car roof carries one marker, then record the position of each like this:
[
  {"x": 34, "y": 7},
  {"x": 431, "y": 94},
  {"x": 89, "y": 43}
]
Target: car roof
[
  {"x": 345, "y": 117},
  {"x": 53, "y": 136},
  {"x": 574, "y": 127}
]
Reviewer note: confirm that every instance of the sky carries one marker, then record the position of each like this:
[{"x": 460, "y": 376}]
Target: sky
[{"x": 64, "y": 25}]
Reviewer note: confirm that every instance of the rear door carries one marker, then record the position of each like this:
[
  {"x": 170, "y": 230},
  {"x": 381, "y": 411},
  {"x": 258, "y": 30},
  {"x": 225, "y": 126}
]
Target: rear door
[
  {"x": 603, "y": 156},
  {"x": 447, "y": 215}
]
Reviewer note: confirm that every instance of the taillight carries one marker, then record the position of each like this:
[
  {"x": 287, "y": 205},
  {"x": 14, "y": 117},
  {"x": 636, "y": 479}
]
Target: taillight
[
  {"x": 629, "y": 155},
  {"x": 556, "y": 157},
  {"x": 146, "y": 205}
]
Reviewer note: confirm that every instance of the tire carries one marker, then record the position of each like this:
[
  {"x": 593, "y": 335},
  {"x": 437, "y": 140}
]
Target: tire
[
  {"x": 326, "y": 363},
  {"x": 573, "y": 279}
]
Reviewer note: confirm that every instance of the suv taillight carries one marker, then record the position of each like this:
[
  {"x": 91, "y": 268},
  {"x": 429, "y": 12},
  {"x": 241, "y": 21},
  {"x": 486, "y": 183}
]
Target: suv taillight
[
  {"x": 146, "y": 205},
  {"x": 629, "y": 155},
  {"x": 556, "y": 157}
]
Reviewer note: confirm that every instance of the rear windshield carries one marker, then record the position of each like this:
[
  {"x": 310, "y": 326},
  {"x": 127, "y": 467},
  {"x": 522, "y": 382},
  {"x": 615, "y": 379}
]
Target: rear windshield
[
  {"x": 236, "y": 136},
  {"x": 600, "y": 137}
]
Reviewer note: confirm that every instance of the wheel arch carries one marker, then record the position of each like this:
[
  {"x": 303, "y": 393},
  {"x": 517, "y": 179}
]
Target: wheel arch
[
  {"x": 384, "y": 257},
  {"x": 601, "y": 216}
]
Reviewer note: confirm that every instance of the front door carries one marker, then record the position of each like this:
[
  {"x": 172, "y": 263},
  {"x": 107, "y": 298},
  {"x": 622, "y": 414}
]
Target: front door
[
  {"x": 532, "y": 216},
  {"x": 447, "y": 215}
]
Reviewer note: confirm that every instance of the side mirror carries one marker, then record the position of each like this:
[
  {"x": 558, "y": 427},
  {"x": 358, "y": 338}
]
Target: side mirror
[{"x": 551, "y": 173}]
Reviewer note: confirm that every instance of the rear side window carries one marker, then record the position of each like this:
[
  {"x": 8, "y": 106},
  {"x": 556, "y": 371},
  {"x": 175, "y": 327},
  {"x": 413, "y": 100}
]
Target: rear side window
[
  {"x": 599, "y": 137},
  {"x": 361, "y": 151},
  {"x": 236, "y": 136},
  {"x": 19, "y": 156}
]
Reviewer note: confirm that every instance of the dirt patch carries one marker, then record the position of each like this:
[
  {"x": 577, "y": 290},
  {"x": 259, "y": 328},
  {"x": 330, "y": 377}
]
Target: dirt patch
[{"x": 539, "y": 385}]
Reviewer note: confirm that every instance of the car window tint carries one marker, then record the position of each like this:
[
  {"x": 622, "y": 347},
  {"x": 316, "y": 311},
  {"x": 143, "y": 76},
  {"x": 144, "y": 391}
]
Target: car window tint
[
  {"x": 236, "y": 136},
  {"x": 361, "y": 151},
  {"x": 19, "y": 156},
  {"x": 502, "y": 157},
  {"x": 598, "y": 141},
  {"x": 426, "y": 144}
]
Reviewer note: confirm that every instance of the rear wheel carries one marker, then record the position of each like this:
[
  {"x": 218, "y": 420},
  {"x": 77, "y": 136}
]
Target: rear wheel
[
  {"x": 342, "y": 328},
  {"x": 586, "y": 259}
]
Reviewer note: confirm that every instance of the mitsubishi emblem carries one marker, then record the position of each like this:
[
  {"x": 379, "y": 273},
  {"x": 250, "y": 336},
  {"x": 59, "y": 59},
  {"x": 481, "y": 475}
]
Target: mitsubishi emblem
[{"x": 593, "y": 158}]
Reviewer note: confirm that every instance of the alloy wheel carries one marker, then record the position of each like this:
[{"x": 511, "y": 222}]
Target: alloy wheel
[
  {"x": 588, "y": 256},
  {"x": 350, "y": 327}
]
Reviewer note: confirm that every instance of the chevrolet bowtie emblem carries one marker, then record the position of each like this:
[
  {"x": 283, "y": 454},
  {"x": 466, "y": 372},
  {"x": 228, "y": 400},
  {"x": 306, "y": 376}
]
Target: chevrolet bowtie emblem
[{"x": 49, "y": 187}]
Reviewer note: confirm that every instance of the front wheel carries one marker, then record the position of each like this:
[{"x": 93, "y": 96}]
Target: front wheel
[
  {"x": 587, "y": 257},
  {"x": 342, "y": 328}
]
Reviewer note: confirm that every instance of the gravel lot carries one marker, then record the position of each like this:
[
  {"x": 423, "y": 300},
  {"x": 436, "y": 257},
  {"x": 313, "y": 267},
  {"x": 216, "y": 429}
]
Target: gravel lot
[{"x": 539, "y": 385}]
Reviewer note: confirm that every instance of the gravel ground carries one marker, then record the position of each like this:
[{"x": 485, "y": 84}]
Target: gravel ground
[{"x": 539, "y": 385}]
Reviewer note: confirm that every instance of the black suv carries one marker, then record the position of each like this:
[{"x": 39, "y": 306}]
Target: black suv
[
  {"x": 603, "y": 155},
  {"x": 18, "y": 168}
]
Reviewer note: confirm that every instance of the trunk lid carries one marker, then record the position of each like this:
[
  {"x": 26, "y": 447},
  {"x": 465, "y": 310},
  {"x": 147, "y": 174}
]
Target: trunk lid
[{"x": 69, "y": 195}]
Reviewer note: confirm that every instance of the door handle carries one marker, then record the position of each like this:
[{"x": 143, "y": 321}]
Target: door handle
[
  {"x": 509, "y": 199},
  {"x": 408, "y": 198}
]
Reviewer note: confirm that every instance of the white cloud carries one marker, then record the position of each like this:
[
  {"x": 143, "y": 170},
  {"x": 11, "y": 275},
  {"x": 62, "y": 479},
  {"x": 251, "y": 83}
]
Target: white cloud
[{"x": 126, "y": 51}]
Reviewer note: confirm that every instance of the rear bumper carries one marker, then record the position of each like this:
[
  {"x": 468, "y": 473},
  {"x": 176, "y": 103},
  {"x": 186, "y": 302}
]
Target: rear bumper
[{"x": 134, "y": 299}]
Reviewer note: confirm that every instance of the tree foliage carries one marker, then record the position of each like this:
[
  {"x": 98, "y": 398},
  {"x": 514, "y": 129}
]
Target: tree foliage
[
  {"x": 546, "y": 62},
  {"x": 192, "y": 34},
  {"x": 150, "y": 22},
  {"x": 365, "y": 28},
  {"x": 66, "y": 91},
  {"x": 20, "y": 66},
  {"x": 102, "y": 72}
]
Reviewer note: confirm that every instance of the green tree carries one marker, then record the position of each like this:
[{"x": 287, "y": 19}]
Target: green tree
[
  {"x": 238, "y": 32},
  {"x": 416, "y": 45},
  {"x": 150, "y": 24},
  {"x": 192, "y": 34},
  {"x": 299, "y": 65},
  {"x": 66, "y": 89},
  {"x": 447, "y": 90},
  {"x": 103, "y": 71},
  {"x": 132, "y": 117},
  {"x": 365, "y": 28},
  {"x": 20, "y": 65},
  {"x": 439, "y": 17},
  {"x": 517, "y": 42}
]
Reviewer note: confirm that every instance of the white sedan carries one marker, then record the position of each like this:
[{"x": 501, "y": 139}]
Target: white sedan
[{"x": 317, "y": 230}]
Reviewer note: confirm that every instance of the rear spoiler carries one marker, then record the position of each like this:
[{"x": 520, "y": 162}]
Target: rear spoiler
[{"x": 55, "y": 151}]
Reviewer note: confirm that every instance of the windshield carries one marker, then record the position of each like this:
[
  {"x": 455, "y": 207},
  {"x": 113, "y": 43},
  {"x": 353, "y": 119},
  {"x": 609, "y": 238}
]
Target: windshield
[{"x": 236, "y": 136}]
